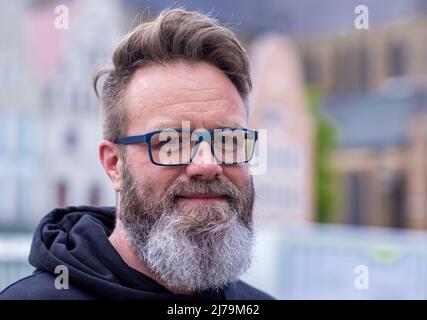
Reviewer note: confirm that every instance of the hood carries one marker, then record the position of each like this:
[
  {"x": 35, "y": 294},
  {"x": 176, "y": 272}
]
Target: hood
[{"x": 77, "y": 237}]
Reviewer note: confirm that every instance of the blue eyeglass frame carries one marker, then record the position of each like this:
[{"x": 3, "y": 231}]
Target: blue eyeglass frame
[{"x": 202, "y": 136}]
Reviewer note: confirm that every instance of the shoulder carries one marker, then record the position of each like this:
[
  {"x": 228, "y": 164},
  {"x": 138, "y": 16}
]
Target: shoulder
[
  {"x": 242, "y": 291},
  {"x": 41, "y": 286}
]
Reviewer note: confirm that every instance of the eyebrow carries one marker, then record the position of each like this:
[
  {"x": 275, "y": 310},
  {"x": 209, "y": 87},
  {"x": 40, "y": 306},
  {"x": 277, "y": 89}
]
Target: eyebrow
[
  {"x": 228, "y": 124},
  {"x": 173, "y": 125}
]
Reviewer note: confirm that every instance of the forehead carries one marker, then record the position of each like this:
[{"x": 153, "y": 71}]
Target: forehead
[{"x": 162, "y": 96}]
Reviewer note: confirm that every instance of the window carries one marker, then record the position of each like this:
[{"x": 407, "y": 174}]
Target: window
[
  {"x": 396, "y": 60},
  {"x": 2, "y": 134},
  {"x": 363, "y": 70},
  {"x": 351, "y": 70},
  {"x": 24, "y": 198},
  {"x": 395, "y": 201},
  {"x": 25, "y": 136},
  {"x": 95, "y": 195},
  {"x": 70, "y": 140},
  {"x": 311, "y": 71},
  {"x": 341, "y": 72},
  {"x": 356, "y": 198},
  {"x": 61, "y": 194}
]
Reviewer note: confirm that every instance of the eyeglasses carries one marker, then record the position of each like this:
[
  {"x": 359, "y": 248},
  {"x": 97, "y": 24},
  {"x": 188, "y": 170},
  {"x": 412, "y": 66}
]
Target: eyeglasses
[{"x": 178, "y": 147}]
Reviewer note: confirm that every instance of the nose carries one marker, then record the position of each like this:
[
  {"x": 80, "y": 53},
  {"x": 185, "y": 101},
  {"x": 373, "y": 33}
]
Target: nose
[{"x": 204, "y": 165}]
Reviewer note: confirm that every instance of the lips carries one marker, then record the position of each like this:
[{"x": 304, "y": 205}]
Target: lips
[{"x": 201, "y": 197}]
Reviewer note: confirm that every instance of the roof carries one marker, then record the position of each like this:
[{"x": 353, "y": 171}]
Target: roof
[
  {"x": 375, "y": 121},
  {"x": 290, "y": 16}
]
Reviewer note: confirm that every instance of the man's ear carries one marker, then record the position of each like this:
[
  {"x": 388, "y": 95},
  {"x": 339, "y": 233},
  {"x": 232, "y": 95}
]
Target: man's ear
[{"x": 110, "y": 160}]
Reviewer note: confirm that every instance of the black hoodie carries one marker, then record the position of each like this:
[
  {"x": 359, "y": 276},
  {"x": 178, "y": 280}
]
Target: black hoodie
[{"x": 77, "y": 237}]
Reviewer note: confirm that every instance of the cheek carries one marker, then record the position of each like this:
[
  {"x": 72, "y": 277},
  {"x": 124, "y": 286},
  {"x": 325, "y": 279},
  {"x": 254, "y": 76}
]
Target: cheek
[
  {"x": 151, "y": 177},
  {"x": 138, "y": 162},
  {"x": 161, "y": 178},
  {"x": 239, "y": 175}
]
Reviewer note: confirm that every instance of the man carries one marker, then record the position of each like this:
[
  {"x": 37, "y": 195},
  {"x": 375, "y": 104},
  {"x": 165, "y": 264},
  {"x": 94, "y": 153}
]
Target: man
[{"x": 176, "y": 148}]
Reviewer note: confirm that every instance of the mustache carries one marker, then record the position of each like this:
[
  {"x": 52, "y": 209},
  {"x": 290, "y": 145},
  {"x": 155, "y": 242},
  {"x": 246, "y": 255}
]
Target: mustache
[{"x": 220, "y": 188}]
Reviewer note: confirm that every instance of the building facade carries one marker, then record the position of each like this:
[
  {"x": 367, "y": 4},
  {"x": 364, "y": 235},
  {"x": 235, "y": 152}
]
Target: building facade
[
  {"x": 374, "y": 83},
  {"x": 50, "y": 122}
]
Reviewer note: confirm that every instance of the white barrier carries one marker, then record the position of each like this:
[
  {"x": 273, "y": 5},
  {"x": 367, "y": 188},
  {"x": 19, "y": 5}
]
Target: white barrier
[
  {"x": 14, "y": 250},
  {"x": 339, "y": 262}
]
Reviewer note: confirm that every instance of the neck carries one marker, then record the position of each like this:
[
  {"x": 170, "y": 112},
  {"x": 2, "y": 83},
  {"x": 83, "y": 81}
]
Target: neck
[{"x": 120, "y": 242}]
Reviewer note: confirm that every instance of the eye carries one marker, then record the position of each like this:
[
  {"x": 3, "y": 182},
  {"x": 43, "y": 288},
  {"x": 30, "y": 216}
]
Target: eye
[{"x": 174, "y": 141}]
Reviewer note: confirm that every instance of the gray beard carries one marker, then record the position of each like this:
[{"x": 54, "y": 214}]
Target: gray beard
[{"x": 190, "y": 248}]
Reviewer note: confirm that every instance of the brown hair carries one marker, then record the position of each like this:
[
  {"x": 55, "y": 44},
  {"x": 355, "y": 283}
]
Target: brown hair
[{"x": 174, "y": 34}]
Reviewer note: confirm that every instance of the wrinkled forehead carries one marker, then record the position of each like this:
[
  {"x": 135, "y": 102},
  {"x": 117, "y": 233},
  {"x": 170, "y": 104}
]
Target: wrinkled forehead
[{"x": 163, "y": 96}]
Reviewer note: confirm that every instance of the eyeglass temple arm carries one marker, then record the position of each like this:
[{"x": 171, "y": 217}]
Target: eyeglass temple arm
[{"x": 132, "y": 139}]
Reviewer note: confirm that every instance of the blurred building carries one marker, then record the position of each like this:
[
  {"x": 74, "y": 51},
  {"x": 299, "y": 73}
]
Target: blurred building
[
  {"x": 20, "y": 120},
  {"x": 375, "y": 83},
  {"x": 49, "y": 116},
  {"x": 72, "y": 112},
  {"x": 285, "y": 189},
  {"x": 357, "y": 61},
  {"x": 382, "y": 158}
]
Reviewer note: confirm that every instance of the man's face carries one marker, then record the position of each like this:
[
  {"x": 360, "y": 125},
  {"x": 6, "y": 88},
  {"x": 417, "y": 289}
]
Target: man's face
[
  {"x": 160, "y": 97},
  {"x": 191, "y": 224}
]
